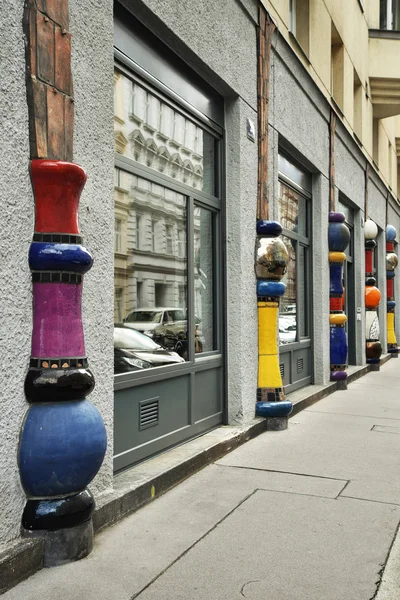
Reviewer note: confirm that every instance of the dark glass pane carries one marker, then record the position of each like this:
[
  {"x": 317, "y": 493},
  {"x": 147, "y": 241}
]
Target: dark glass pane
[
  {"x": 302, "y": 300},
  {"x": 292, "y": 210},
  {"x": 288, "y": 304},
  {"x": 204, "y": 280},
  {"x": 150, "y": 275},
  {"x": 152, "y": 133}
]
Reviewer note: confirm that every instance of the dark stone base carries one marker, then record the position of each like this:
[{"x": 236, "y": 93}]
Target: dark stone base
[
  {"x": 394, "y": 354},
  {"x": 65, "y": 545},
  {"x": 375, "y": 367},
  {"x": 342, "y": 385},
  {"x": 276, "y": 423}
]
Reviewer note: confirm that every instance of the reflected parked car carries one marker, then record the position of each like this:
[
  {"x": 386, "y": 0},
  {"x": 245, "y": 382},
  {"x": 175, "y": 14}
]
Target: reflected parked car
[
  {"x": 166, "y": 326},
  {"x": 287, "y": 328},
  {"x": 134, "y": 351},
  {"x": 147, "y": 319}
]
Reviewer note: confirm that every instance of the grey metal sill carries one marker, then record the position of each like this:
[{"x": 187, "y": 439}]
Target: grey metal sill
[
  {"x": 132, "y": 379},
  {"x": 384, "y": 33}
]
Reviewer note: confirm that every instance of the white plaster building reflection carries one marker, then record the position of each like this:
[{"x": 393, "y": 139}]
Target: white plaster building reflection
[{"x": 150, "y": 219}]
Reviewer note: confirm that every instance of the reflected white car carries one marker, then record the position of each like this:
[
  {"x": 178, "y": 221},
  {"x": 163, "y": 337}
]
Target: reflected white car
[{"x": 287, "y": 329}]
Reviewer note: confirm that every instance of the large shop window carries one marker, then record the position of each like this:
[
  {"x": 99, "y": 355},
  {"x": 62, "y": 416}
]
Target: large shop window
[
  {"x": 166, "y": 225},
  {"x": 295, "y": 313}
]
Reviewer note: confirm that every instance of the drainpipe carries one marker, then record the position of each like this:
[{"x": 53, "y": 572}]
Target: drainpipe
[{"x": 63, "y": 438}]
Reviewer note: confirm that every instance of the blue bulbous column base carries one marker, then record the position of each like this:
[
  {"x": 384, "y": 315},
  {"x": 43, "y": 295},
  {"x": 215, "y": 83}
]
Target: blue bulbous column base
[{"x": 274, "y": 409}]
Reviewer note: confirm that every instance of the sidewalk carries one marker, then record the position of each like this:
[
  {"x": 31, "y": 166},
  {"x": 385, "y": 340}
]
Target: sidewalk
[{"x": 305, "y": 514}]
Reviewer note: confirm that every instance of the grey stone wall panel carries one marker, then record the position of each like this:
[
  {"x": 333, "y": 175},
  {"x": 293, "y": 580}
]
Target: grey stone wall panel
[
  {"x": 298, "y": 110},
  {"x": 241, "y": 183},
  {"x": 349, "y": 173},
  {"x": 217, "y": 39}
]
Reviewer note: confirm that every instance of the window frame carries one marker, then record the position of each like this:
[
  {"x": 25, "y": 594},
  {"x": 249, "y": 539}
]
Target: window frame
[
  {"x": 212, "y": 202},
  {"x": 306, "y": 242}
]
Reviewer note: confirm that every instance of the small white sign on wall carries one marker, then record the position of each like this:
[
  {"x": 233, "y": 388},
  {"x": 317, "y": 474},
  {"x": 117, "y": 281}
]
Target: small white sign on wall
[{"x": 251, "y": 130}]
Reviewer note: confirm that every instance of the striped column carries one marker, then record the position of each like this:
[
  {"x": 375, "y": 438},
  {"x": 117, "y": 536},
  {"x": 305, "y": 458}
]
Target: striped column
[
  {"x": 372, "y": 298},
  {"x": 391, "y": 264},
  {"x": 63, "y": 438},
  {"x": 338, "y": 239},
  {"x": 270, "y": 266}
]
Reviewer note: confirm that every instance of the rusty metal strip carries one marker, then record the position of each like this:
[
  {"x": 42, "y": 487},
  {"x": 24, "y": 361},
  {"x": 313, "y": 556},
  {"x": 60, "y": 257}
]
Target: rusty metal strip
[{"x": 266, "y": 29}]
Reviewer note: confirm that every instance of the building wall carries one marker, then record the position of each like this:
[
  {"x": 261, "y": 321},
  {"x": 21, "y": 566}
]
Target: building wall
[
  {"x": 92, "y": 67},
  {"x": 15, "y": 291}
]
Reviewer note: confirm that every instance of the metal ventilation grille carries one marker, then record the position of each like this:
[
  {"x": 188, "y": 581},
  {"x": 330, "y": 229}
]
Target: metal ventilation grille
[
  {"x": 148, "y": 413},
  {"x": 282, "y": 369},
  {"x": 300, "y": 365}
]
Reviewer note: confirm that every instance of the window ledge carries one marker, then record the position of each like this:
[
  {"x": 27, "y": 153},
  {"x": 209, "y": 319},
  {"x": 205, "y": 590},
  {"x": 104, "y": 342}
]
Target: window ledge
[
  {"x": 384, "y": 33},
  {"x": 299, "y": 47},
  {"x": 337, "y": 107},
  {"x": 358, "y": 140}
]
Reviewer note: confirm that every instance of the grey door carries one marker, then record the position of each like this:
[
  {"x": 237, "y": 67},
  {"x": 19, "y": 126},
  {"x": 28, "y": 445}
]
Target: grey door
[{"x": 295, "y": 312}]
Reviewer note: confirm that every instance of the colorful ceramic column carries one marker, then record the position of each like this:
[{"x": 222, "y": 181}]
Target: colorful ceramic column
[
  {"x": 338, "y": 239},
  {"x": 63, "y": 439},
  {"x": 372, "y": 297},
  {"x": 391, "y": 263},
  {"x": 271, "y": 263}
]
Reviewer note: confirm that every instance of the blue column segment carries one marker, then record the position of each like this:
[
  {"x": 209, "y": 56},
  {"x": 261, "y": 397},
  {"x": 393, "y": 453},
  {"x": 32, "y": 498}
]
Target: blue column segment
[
  {"x": 338, "y": 345},
  {"x": 62, "y": 448},
  {"x": 46, "y": 256},
  {"x": 336, "y": 276},
  {"x": 270, "y": 288}
]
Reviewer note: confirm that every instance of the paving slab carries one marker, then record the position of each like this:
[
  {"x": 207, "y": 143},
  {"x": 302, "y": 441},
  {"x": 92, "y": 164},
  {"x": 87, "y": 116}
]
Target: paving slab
[
  {"x": 331, "y": 445},
  {"x": 131, "y": 554},
  {"x": 285, "y": 547}
]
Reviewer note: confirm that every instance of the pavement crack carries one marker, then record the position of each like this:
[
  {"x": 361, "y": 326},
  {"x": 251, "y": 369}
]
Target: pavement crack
[
  {"x": 340, "y": 414},
  {"x": 366, "y": 500},
  {"x": 343, "y": 488},
  {"x": 193, "y": 545},
  {"x": 383, "y": 565},
  {"x": 283, "y": 472},
  {"x": 245, "y": 584}
]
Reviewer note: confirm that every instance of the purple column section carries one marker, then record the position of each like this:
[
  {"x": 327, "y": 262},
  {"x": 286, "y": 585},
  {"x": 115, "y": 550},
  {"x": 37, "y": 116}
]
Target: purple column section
[{"x": 57, "y": 320}]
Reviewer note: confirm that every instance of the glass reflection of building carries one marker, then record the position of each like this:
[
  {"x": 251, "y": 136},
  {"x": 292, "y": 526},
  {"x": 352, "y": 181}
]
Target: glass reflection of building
[
  {"x": 289, "y": 212},
  {"x": 151, "y": 220}
]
